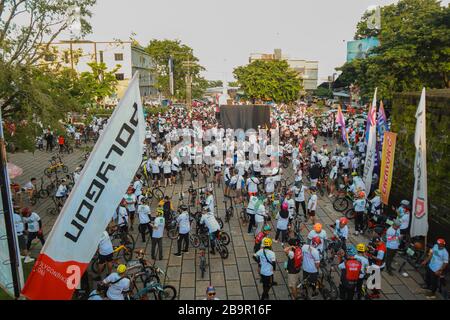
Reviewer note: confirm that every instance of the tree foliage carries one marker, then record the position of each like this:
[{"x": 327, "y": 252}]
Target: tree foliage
[
  {"x": 414, "y": 50},
  {"x": 268, "y": 80},
  {"x": 99, "y": 83},
  {"x": 161, "y": 51}
]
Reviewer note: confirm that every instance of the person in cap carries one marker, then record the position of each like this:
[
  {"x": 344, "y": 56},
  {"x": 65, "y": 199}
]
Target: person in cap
[
  {"x": 119, "y": 283},
  {"x": 211, "y": 293},
  {"x": 437, "y": 261},
  {"x": 299, "y": 196},
  {"x": 375, "y": 203},
  {"x": 184, "y": 227},
  {"x": 392, "y": 244},
  {"x": 318, "y": 231},
  {"x": 404, "y": 214},
  {"x": 359, "y": 205},
  {"x": 351, "y": 270},
  {"x": 266, "y": 264},
  {"x": 361, "y": 257},
  {"x": 131, "y": 200}
]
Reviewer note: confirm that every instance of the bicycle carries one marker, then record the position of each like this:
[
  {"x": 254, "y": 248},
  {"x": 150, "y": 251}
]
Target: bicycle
[
  {"x": 55, "y": 166},
  {"x": 159, "y": 291},
  {"x": 116, "y": 233},
  {"x": 203, "y": 263},
  {"x": 342, "y": 203},
  {"x": 153, "y": 192},
  {"x": 42, "y": 193},
  {"x": 145, "y": 271},
  {"x": 326, "y": 285},
  {"x": 58, "y": 204},
  {"x": 229, "y": 211},
  {"x": 119, "y": 252}
]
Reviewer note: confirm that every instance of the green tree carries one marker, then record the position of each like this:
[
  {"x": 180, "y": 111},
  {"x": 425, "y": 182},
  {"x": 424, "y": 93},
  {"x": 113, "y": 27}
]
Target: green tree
[
  {"x": 269, "y": 80},
  {"x": 414, "y": 50},
  {"x": 233, "y": 84},
  {"x": 215, "y": 83},
  {"x": 99, "y": 83},
  {"x": 161, "y": 51},
  {"x": 323, "y": 92}
]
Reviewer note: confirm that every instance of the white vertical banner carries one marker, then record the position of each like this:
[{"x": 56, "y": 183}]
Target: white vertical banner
[
  {"x": 419, "y": 224},
  {"x": 369, "y": 162},
  {"x": 108, "y": 172},
  {"x": 171, "y": 83}
]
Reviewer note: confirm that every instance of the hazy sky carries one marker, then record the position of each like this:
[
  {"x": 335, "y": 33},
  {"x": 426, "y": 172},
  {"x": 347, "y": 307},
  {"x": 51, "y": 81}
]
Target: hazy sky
[{"x": 223, "y": 33}]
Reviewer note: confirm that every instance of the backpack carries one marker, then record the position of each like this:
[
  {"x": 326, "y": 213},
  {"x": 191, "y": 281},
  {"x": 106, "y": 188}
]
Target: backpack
[
  {"x": 352, "y": 270},
  {"x": 298, "y": 258}
]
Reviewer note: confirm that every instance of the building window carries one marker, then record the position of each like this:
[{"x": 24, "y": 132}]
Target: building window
[
  {"x": 120, "y": 76},
  {"x": 118, "y": 56},
  {"x": 101, "y": 56}
]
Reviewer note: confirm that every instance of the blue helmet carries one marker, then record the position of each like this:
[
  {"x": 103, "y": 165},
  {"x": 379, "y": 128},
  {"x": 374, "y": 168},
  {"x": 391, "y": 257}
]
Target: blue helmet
[{"x": 351, "y": 250}]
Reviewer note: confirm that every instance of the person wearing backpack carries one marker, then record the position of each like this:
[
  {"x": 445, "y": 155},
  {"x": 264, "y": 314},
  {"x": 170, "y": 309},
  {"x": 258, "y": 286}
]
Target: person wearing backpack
[
  {"x": 293, "y": 265},
  {"x": 267, "y": 264},
  {"x": 260, "y": 236},
  {"x": 118, "y": 283},
  {"x": 351, "y": 270}
]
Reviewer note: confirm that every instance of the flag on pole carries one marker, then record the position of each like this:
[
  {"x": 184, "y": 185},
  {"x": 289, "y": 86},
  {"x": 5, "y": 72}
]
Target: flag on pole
[
  {"x": 340, "y": 119},
  {"x": 374, "y": 20},
  {"x": 419, "y": 224},
  {"x": 92, "y": 202},
  {"x": 369, "y": 162},
  {"x": 382, "y": 126}
]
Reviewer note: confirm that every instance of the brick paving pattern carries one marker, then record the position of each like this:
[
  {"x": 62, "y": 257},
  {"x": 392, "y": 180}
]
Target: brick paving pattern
[{"x": 236, "y": 277}]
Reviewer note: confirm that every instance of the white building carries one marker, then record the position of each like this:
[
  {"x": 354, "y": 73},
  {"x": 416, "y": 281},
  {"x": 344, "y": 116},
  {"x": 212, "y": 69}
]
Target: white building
[
  {"x": 128, "y": 57},
  {"x": 307, "y": 70}
]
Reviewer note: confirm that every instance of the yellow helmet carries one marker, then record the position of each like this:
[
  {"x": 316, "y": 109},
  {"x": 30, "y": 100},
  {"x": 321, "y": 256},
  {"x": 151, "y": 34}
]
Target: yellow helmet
[
  {"x": 121, "y": 268},
  {"x": 267, "y": 242},
  {"x": 159, "y": 211},
  {"x": 361, "y": 247}
]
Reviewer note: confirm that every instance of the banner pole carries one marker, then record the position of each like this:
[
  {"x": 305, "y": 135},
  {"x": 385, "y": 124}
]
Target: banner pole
[{"x": 7, "y": 211}]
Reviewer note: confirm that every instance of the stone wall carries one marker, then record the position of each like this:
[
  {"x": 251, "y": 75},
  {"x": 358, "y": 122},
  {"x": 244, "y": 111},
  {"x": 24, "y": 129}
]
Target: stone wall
[{"x": 404, "y": 106}]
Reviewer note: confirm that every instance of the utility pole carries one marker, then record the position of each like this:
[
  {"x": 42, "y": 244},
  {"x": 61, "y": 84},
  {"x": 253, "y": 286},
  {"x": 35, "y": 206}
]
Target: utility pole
[{"x": 189, "y": 64}]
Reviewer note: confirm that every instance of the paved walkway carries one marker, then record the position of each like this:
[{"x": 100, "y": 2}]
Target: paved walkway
[{"x": 235, "y": 277}]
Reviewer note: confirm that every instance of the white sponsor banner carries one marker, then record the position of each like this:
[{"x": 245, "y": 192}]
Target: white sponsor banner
[
  {"x": 419, "y": 224},
  {"x": 369, "y": 162}
]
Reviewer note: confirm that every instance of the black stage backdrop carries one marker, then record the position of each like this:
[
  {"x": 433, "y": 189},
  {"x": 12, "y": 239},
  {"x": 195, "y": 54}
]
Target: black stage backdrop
[{"x": 244, "y": 117}]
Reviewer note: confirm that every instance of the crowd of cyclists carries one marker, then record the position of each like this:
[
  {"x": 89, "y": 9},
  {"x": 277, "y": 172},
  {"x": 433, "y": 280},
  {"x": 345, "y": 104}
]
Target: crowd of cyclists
[{"x": 278, "y": 175}]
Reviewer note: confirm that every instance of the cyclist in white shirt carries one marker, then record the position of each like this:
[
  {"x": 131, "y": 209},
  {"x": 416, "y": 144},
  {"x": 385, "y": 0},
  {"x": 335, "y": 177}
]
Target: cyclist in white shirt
[
  {"x": 209, "y": 220},
  {"x": 184, "y": 227},
  {"x": 105, "y": 253},
  {"x": 118, "y": 283},
  {"x": 157, "y": 234},
  {"x": 137, "y": 185},
  {"x": 143, "y": 212},
  {"x": 167, "y": 170},
  {"x": 131, "y": 201},
  {"x": 252, "y": 185}
]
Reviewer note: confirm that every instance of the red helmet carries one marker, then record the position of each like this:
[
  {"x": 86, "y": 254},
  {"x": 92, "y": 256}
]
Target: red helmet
[
  {"x": 26, "y": 210},
  {"x": 343, "y": 220},
  {"x": 441, "y": 241},
  {"x": 316, "y": 241}
]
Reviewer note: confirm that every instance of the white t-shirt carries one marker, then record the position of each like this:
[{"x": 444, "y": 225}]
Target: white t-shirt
[
  {"x": 310, "y": 257},
  {"x": 158, "y": 230},
  {"x": 122, "y": 216},
  {"x": 210, "y": 221},
  {"x": 105, "y": 246},
  {"x": 167, "y": 167},
  {"x": 33, "y": 222},
  {"x": 116, "y": 290},
  {"x": 131, "y": 201},
  {"x": 143, "y": 211},
  {"x": 312, "y": 203},
  {"x": 252, "y": 184},
  {"x": 62, "y": 191},
  {"x": 322, "y": 235},
  {"x": 137, "y": 185}
]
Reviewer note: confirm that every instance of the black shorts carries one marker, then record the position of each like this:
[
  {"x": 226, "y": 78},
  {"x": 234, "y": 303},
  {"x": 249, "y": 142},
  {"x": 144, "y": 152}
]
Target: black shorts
[
  {"x": 312, "y": 213},
  {"x": 22, "y": 242},
  {"x": 156, "y": 176},
  {"x": 104, "y": 259},
  {"x": 174, "y": 173},
  {"x": 312, "y": 277},
  {"x": 167, "y": 175},
  {"x": 266, "y": 280},
  {"x": 131, "y": 213}
]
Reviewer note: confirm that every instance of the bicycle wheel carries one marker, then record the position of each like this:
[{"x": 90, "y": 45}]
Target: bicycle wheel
[
  {"x": 350, "y": 214},
  {"x": 158, "y": 193},
  {"x": 172, "y": 233},
  {"x": 225, "y": 238},
  {"x": 169, "y": 293},
  {"x": 340, "y": 204},
  {"x": 43, "y": 194},
  {"x": 202, "y": 266},
  {"x": 48, "y": 172},
  {"x": 219, "y": 220},
  {"x": 194, "y": 240},
  {"x": 65, "y": 169},
  {"x": 223, "y": 251}
]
